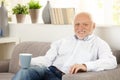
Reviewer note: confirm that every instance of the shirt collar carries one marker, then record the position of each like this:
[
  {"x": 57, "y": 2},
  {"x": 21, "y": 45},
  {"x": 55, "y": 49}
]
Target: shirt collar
[{"x": 86, "y": 38}]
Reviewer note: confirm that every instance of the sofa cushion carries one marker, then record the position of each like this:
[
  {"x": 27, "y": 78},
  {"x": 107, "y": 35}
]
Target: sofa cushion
[
  {"x": 6, "y": 76},
  {"x": 35, "y": 48},
  {"x": 112, "y": 74},
  {"x": 116, "y": 53}
]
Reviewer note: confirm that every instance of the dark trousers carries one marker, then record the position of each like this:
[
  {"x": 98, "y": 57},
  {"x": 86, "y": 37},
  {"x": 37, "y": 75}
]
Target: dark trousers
[
  {"x": 39, "y": 73},
  {"x": 53, "y": 74}
]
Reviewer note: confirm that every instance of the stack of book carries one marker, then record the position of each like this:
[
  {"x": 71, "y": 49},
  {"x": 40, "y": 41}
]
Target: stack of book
[{"x": 62, "y": 15}]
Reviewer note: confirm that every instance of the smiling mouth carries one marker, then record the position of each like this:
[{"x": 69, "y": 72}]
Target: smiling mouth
[{"x": 81, "y": 32}]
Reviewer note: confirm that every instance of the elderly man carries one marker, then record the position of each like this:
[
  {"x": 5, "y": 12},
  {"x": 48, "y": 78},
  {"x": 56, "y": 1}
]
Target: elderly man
[{"x": 81, "y": 52}]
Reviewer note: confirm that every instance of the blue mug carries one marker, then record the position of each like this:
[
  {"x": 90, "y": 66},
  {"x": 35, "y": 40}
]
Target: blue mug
[{"x": 25, "y": 60}]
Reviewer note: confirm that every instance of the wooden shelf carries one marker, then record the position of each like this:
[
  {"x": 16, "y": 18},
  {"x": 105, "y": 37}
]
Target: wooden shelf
[{"x": 9, "y": 40}]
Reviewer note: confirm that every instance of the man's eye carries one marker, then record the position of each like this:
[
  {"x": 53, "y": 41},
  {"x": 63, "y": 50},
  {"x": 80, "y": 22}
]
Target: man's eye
[
  {"x": 85, "y": 24},
  {"x": 77, "y": 24}
]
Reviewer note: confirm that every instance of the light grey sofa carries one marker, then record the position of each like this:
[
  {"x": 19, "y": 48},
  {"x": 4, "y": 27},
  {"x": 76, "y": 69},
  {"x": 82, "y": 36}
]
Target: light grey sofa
[{"x": 9, "y": 67}]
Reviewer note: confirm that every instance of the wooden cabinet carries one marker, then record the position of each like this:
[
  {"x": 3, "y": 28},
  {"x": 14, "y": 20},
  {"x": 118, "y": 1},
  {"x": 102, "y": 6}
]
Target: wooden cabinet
[{"x": 7, "y": 45}]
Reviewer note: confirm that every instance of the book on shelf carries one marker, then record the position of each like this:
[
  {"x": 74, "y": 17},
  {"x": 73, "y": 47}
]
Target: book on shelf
[
  {"x": 52, "y": 16},
  {"x": 62, "y": 15}
]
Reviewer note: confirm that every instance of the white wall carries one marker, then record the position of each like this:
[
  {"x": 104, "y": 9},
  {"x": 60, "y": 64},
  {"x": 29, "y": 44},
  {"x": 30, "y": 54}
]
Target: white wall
[
  {"x": 39, "y": 32},
  {"x": 49, "y": 33}
]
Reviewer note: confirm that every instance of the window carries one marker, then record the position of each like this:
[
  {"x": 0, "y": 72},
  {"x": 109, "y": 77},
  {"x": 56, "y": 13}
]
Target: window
[{"x": 103, "y": 11}]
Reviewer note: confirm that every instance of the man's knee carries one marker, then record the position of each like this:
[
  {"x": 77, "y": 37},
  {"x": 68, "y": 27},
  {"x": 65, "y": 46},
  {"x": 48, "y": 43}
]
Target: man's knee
[
  {"x": 32, "y": 73},
  {"x": 39, "y": 69},
  {"x": 37, "y": 72}
]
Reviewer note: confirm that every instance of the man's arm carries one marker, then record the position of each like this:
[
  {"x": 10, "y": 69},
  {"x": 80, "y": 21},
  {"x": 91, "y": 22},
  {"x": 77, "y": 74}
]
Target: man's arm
[
  {"x": 49, "y": 57},
  {"x": 105, "y": 60}
]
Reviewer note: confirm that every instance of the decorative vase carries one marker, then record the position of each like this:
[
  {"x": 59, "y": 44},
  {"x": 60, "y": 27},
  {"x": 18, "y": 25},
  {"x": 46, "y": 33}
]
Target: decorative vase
[
  {"x": 4, "y": 30},
  {"x": 46, "y": 14},
  {"x": 34, "y": 14}
]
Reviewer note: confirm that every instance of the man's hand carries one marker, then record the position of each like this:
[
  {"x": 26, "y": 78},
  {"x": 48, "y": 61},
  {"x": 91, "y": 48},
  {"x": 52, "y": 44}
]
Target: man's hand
[{"x": 78, "y": 67}]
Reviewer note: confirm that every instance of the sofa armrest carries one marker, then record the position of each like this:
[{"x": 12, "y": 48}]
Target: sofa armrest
[
  {"x": 4, "y": 65},
  {"x": 113, "y": 74}
]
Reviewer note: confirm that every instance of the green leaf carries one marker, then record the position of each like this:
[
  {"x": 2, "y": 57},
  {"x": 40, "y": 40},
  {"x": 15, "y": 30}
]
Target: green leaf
[
  {"x": 20, "y": 9},
  {"x": 34, "y": 4}
]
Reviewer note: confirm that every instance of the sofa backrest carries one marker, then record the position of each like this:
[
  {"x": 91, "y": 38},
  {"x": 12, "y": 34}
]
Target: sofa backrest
[{"x": 35, "y": 48}]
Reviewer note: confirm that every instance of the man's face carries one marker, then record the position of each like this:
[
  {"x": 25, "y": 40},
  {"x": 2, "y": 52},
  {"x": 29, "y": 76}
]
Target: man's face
[{"x": 83, "y": 26}]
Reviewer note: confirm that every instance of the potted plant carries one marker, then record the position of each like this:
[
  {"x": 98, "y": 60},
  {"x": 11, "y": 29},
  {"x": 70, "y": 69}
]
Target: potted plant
[
  {"x": 34, "y": 7},
  {"x": 20, "y": 11}
]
